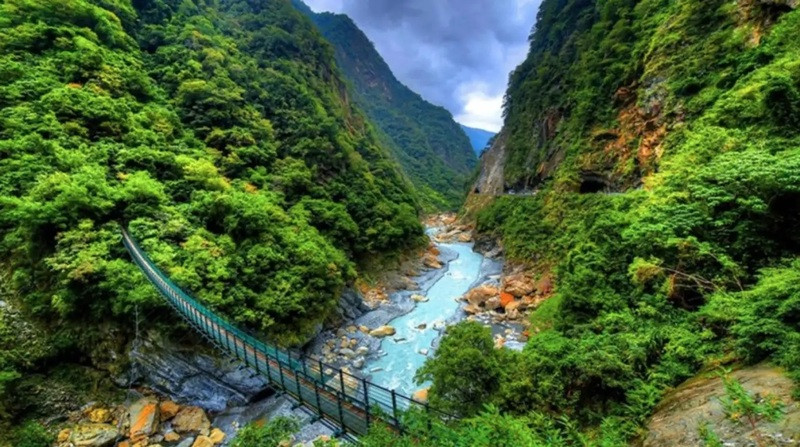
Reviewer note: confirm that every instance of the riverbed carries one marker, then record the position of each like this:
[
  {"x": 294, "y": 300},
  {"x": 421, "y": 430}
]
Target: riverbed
[{"x": 406, "y": 351}]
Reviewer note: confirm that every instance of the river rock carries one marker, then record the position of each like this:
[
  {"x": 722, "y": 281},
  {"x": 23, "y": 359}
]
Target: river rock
[
  {"x": 63, "y": 435},
  {"x": 362, "y": 350},
  {"x": 216, "y": 436},
  {"x": 93, "y": 435},
  {"x": 493, "y": 303},
  {"x": 519, "y": 285},
  {"x": 423, "y": 351},
  {"x": 143, "y": 418},
  {"x": 351, "y": 304},
  {"x": 421, "y": 395},
  {"x": 186, "y": 442},
  {"x": 203, "y": 441},
  {"x": 383, "y": 331},
  {"x": 363, "y": 329},
  {"x": 472, "y": 309},
  {"x": 465, "y": 237},
  {"x": 359, "y": 363},
  {"x": 171, "y": 436},
  {"x": 349, "y": 353},
  {"x": 168, "y": 409},
  {"x": 422, "y": 326},
  {"x": 419, "y": 298},
  {"x": 431, "y": 261},
  {"x": 481, "y": 294},
  {"x": 191, "y": 420}
]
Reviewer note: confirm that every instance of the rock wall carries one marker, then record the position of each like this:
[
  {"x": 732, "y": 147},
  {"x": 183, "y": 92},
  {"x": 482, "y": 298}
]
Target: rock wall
[{"x": 491, "y": 180}]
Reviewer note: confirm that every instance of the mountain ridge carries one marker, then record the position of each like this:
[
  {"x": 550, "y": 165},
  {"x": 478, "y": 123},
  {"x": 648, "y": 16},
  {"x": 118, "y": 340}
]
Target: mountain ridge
[{"x": 431, "y": 147}]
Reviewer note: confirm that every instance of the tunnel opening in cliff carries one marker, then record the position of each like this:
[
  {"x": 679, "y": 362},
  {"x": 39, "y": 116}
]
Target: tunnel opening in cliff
[{"x": 592, "y": 182}]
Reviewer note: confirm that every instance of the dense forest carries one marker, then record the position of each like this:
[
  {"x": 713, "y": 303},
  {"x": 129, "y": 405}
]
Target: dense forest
[
  {"x": 650, "y": 164},
  {"x": 658, "y": 146},
  {"x": 220, "y": 133},
  {"x": 432, "y": 148}
]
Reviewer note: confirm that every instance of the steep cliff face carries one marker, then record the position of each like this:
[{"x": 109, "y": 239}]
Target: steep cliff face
[
  {"x": 431, "y": 147},
  {"x": 605, "y": 82},
  {"x": 649, "y": 162}
]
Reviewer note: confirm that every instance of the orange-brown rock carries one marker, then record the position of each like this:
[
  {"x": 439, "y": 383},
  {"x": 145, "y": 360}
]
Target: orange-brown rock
[
  {"x": 216, "y": 436},
  {"x": 480, "y": 294},
  {"x": 99, "y": 415},
  {"x": 493, "y": 303},
  {"x": 63, "y": 436},
  {"x": 203, "y": 441},
  {"x": 168, "y": 410},
  {"x": 143, "y": 418},
  {"x": 421, "y": 395},
  {"x": 191, "y": 420},
  {"x": 515, "y": 305},
  {"x": 171, "y": 436},
  {"x": 506, "y": 299},
  {"x": 124, "y": 444},
  {"x": 472, "y": 309},
  {"x": 519, "y": 285},
  {"x": 431, "y": 261}
]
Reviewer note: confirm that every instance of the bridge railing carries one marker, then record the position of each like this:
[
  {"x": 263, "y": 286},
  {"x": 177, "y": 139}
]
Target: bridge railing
[{"x": 349, "y": 401}]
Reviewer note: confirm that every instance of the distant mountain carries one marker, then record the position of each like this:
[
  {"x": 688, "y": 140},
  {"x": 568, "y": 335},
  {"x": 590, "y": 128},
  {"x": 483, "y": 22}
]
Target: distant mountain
[
  {"x": 431, "y": 147},
  {"x": 478, "y": 137}
]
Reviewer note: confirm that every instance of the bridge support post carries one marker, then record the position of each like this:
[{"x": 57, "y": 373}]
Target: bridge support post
[
  {"x": 280, "y": 371},
  {"x": 366, "y": 400},
  {"x": 319, "y": 403},
  {"x": 299, "y": 391},
  {"x": 394, "y": 412},
  {"x": 341, "y": 412}
]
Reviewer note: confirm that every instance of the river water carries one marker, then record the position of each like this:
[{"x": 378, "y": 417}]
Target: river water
[{"x": 406, "y": 351}]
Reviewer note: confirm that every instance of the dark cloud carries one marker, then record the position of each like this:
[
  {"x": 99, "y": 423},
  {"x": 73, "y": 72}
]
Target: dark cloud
[{"x": 456, "y": 53}]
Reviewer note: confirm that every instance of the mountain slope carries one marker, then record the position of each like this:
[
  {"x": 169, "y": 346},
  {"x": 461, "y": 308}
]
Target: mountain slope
[
  {"x": 219, "y": 133},
  {"x": 656, "y": 147},
  {"x": 429, "y": 144},
  {"x": 479, "y": 138}
]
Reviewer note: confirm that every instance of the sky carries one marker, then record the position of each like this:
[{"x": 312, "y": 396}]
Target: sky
[{"x": 455, "y": 53}]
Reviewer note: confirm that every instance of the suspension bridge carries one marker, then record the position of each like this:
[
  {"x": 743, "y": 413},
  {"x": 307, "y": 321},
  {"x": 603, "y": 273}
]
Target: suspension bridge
[{"x": 348, "y": 402}]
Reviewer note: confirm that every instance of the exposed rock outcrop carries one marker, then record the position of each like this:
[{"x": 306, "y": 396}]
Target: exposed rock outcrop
[
  {"x": 679, "y": 416},
  {"x": 491, "y": 180},
  {"x": 189, "y": 375}
]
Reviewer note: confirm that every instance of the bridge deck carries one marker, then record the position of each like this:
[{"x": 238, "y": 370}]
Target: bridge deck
[{"x": 349, "y": 402}]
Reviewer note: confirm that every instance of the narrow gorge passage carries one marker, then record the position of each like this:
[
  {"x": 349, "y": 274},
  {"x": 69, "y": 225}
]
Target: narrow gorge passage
[{"x": 406, "y": 351}]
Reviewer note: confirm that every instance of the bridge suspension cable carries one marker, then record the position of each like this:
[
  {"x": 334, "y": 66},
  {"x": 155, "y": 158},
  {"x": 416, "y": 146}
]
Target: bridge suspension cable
[{"x": 349, "y": 402}]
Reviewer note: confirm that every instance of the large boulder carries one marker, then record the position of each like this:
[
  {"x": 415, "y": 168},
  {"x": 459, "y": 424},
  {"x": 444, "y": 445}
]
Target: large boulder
[
  {"x": 143, "y": 418},
  {"x": 431, "y": 261},
  {"x": 193, "y": 376},
  {"x": 191, "y": 420},
  {"x": 493, "y": 303},
  {"x": 383, "y": 331},
  {"x": 481, "y": 294},
  {"x": 93, "y": 435},
  {"x": 421, "y": 395},
  {"x": 680, "y": 415},
  {"x": 519, "y": 285},
  {"x": 168, "y": 409}
]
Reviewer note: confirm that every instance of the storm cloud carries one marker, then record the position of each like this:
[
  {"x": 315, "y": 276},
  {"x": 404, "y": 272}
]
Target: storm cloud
[{"x": 455, "y": 53}]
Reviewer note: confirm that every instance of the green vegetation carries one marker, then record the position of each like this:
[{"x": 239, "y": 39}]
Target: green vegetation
[
  {"x": 218, "y": 132},
  {"x": 432, "y": 148},
  {"x": 655, "y": 283}
]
